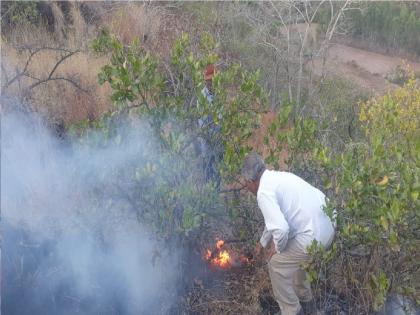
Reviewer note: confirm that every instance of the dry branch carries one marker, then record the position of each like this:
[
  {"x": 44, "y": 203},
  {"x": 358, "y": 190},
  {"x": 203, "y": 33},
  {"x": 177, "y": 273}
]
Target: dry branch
[{"x": 25, "y": 72}]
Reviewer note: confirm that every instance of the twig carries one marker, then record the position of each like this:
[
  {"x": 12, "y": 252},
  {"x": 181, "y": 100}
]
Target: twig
[{"x": 24, "y": 72}]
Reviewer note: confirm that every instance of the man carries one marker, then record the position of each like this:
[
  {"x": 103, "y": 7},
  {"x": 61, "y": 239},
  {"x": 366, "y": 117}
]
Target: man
[
  {"x": 294, "y": 218},
  {"x": 207, "y": 91},
  {"x": 209, "y": 145}
]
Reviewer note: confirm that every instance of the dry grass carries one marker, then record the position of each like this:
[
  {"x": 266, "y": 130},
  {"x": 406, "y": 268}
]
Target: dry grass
[
  {"x": 134, "y": 21},
  {"x": 154, "y": 25},
  {"x": 236, "y": 291},
  {"x": 257, "y": 139},
  {"x": 56, "y": 100}
]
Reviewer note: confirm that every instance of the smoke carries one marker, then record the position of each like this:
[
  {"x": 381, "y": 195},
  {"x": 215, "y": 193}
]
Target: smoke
[{"x": 73, "y": 237}]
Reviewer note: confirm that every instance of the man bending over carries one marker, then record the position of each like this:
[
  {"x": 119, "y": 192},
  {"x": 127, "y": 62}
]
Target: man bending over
[{"x": 294, "y": 217}]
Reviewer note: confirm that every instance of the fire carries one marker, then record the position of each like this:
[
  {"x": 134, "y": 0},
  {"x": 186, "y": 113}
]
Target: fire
[
  {"x": 218, "y": 257},
  {"x": 207, "y": 256},
  {"x": 222, "y": 260},
  {"x": 219, "y": 244},
  {"x": 225, "y": 258}
]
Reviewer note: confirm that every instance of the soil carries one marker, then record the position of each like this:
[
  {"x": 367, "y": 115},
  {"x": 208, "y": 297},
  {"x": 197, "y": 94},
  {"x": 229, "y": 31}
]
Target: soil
[
  {"x": 373, "y": 62},
  {"x": 236, "y": 291},
  {"x": 247, "y": 291},
  {"x": 367, "y": 69}
]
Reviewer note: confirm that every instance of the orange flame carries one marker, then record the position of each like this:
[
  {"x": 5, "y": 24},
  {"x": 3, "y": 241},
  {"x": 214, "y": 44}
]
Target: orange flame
[
  {"x": 218, "y": 258},
  {"x": 222, "y": 259},
  {"x": 219, "y": 244}
]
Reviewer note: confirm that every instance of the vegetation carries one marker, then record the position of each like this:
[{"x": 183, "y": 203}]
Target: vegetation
[
  {"x": 371, "y": 178},
  {"x": 391, "y": 25},
  {"x": 17, "y": 12},
  {"x": 362, "y": 151},
  {"x": 172, "y": 102},
  {"x": 276, "y": 38},
  {"x": 373, "y": 184}
]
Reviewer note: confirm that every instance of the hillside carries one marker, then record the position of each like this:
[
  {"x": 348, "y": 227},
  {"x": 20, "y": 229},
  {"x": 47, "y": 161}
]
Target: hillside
[{"x": 126, "y": 129}]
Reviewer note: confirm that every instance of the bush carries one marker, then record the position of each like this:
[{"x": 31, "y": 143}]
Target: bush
[
  {"x": 374, "y": 186},
  {"x": 169, "y": 97},
  {"x": 19, "y": 12},
  {"x": 400, "y": 74}
]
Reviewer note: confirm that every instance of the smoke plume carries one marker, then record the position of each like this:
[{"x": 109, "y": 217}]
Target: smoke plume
[{"x": 73, "y": 239}]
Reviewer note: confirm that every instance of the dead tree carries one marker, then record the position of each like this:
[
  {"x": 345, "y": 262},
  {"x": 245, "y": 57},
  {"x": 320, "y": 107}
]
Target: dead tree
[
  {"x": 35, "y": 79},
  {"x": 287, "y": 32}
]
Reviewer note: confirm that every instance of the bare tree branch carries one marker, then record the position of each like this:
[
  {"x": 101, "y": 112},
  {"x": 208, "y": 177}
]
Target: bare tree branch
[
  {"x": 60, "y": 61},
  {"x": 73, "y": 82},
  {"x": 24, "y": 72}
]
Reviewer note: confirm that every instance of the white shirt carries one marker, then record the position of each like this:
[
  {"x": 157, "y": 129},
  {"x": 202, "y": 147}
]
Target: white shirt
[
  {"x": 292, "y": 208},
  {"x": 207, "y": 94},
  {"x": 209, "y": 97}
]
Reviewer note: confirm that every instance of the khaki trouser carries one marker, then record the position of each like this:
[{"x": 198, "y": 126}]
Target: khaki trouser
[{"x": 288, "y": 279}]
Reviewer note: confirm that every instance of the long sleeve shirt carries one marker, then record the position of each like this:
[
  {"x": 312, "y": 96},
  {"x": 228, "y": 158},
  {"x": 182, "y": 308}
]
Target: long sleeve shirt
[
  {"x": 208, "y": 120},
  {"x": 292, "y": 208}
]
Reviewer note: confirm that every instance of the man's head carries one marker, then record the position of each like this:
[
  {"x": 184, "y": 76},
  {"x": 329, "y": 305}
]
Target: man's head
[
  {"x": 252, "y": 169},
  {"x": 209, "y": 74}
]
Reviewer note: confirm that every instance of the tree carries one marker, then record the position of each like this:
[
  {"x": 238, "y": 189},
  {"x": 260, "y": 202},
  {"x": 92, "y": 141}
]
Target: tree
[
  {"x": 388, "y": 25},
  {"x": 282, "y": 39}
]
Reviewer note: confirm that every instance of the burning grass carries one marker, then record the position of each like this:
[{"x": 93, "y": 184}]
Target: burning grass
[
  {"x": 237, "y": 283},
  {"x": 233, "y": 283},
  {"x": 227, "y": 258}
]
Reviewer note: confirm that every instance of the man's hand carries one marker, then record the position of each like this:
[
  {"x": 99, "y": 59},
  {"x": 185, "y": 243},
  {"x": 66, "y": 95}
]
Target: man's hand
[
  {"x": 264, "y": 253},
  {"x": 270, "y": 251}
]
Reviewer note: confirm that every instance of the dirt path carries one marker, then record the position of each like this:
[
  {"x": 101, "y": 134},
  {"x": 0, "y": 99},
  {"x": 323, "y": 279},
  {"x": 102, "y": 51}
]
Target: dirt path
[
  {"x": 367, "y": 69},
  {"x": 375, "y": 63}
]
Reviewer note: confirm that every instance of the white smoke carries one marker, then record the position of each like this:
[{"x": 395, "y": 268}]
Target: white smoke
[{"x": 73, "y": 243}]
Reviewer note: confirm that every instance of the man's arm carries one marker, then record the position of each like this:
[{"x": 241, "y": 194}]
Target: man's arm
[
  {"x": 265, "y": 237},
  {"x": 275, "y": 224}
]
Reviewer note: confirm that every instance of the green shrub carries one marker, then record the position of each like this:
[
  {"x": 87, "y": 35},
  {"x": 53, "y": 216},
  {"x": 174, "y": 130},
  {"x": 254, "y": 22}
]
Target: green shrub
[
  {"x": 374, "y": 186},
  {"x": 172, "y": 193},
  {"x": 17, "y": 12}
]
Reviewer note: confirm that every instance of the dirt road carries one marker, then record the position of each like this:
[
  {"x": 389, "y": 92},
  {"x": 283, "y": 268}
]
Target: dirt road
[{"x": 367, "y": 69}]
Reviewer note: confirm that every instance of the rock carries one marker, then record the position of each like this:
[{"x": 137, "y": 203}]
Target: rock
[{"x": 399, "y": 305}]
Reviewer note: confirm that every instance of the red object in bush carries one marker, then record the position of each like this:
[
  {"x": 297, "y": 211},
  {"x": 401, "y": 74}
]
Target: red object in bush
[{"x": 210, "y": 72}]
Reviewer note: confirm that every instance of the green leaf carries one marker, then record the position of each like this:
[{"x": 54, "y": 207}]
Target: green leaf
[
  {"x": 384, "y": 223},
  {"x": 414, "y": 195}
]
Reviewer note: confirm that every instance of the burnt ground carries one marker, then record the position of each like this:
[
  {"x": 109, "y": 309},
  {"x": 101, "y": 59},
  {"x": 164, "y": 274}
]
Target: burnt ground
[
  {"x": 243, "y": 290},
  {"x": 247, "y": 291}
]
